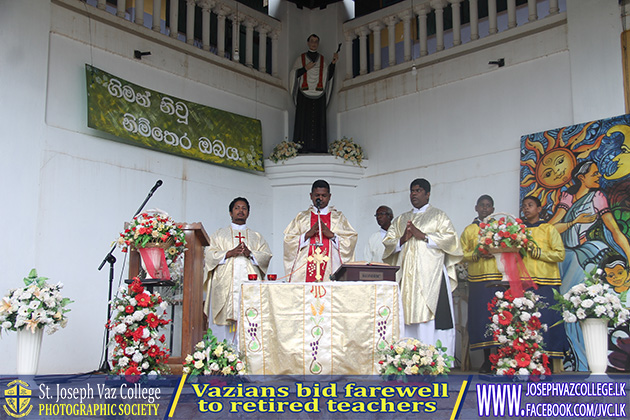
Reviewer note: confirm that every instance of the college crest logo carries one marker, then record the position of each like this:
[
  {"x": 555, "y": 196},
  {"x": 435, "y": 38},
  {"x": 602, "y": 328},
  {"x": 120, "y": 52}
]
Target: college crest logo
[{"x": 17, "y": 399}]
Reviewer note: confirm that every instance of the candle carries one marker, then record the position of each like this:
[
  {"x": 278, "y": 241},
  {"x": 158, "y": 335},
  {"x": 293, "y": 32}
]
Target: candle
[
  {"x": 252, "y": 276},
  {"x": 272, "y": 277}
]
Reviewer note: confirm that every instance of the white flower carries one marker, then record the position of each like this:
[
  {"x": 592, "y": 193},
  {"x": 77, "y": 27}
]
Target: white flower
[
  {"x": 198, "y": 364},
  {"x": 525, "y": 316},
  {"x": 580, "y": 313},
  {"x": 587, "y": 303},
  {"x": 214, "y": 367},
  {"x": 123, "y": 361},
  {"x": 600, "y": 310},
  {"x": 198, "y": 355},
  {"x": 186, "y": 369},
  {"x": 137, "y": 357}
]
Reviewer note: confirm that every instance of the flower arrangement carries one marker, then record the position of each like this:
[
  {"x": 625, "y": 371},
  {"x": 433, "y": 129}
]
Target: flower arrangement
[
  {"x": 506, "y": 233},
  {"x": 592, "y": 299},
  {"x": 515, "y": 324},
  {"x": 154, "y": 229},
  {"x": 411, "y": 357},
  {"x": 212, "y": 357},
  {"x": 36, "y": 305},
  {"x": 284, "y": 151},
  {"x": 346, "y": 149},
  {"x": 138, "y": 347}
]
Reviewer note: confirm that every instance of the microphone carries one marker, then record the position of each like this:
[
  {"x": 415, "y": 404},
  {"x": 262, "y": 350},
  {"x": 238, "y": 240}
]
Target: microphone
[
  {"x": 156, "y": 186},
  {"x": 318, "y": 203}
]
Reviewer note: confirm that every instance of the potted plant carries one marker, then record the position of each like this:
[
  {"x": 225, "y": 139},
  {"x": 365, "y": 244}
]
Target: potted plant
[
  {"x": 594, "y": 304},
  {"x": 516, "y": 325},
  {"x": 137, "y": 344},
  {"x": 158, "y": 239},
  {"x": 29, "y": 310},
  {"x": 213, "y": 357}
]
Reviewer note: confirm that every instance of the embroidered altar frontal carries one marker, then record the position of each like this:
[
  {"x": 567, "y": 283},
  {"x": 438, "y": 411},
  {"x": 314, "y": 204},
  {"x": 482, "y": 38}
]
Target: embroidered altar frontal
[{"x": 318, "y": 328}]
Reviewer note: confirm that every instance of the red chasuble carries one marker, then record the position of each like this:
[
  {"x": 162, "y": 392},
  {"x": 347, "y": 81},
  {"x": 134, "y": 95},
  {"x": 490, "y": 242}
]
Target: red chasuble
[{"x": 318, "y": 256}]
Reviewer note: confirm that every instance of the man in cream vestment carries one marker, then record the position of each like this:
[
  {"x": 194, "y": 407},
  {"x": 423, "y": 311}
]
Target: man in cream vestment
[
  {"x": 425, "y": 245},
  {"x": 234, "y": 253},
  {"x": 312, "y": 253}
]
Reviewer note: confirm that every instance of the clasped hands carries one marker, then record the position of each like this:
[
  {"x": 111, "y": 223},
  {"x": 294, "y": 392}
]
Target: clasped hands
[
  {"x": 240, "y": 249},
  {"x": 412, "y": 231},
  {"x": 314, "y": 230}
]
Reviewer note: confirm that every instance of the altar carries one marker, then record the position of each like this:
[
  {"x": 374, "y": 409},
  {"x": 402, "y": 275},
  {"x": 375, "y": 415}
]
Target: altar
[{"x": 331, "y": 328}]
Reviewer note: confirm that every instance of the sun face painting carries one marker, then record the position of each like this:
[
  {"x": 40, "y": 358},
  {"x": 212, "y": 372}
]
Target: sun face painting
[{"x": 581, "y": 174}]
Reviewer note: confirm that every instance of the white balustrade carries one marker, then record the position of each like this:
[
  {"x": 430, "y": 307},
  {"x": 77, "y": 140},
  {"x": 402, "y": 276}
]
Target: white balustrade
[
  {"x": 139, "y": 19},
  {"x": 157, "y": 7},
  {"x": 190, "y": 21}
]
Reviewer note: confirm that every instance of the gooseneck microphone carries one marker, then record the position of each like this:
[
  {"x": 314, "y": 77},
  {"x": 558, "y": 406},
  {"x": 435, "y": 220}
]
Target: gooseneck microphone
[{"x": 157, "y": 185}]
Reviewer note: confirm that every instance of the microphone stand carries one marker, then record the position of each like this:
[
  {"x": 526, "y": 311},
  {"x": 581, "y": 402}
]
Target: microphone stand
[{"x": 111, "y": 260}]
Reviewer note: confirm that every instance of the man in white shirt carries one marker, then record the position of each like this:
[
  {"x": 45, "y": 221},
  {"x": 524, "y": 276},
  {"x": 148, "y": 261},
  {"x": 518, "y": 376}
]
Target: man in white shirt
[{"x": 375, "y": 248}]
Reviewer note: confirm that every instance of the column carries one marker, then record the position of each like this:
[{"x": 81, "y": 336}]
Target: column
[
  {"x": 349, "y": 37},
  {"x": 391, "y": 22},
  {"x": 511, "y": 11},
  {"x": 206, "y": 6},
  {"x": 363, "y": 32},
  {"x": 236, "y": 34},
  {"x": 439, "y": 5},
  {"x": 221, "y": 13},
  {"x": 376, "y": 27},
  {"x": 120, "y": 8},
  {"x": 422, "y": 12},
  {"x": 533, "y": 13},
  {"x": 102, "y": 4},
  {"x": 406, "y": 16},
  {"x": 249, "y": 42},
  {"x": 457, "y": 21},
  {"x": 157, "y": 10},
  {"x": 262, "y": 47},
  {"x": 492, "y": 17},
  {"x": 274, "y": 53},
  {"x": 474, "y": 20},
  {"x": 553, "y": 7},
  {"x": 174, "y": 16},
  {"x": 190, "y": 21},
  {"x": 139, "y": 8}
]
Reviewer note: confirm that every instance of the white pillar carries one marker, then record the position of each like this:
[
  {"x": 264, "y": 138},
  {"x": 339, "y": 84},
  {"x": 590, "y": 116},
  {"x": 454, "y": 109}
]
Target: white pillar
[
  {"x": 221, "y": 13},
  {"x": 391, "y": 22},
  {"x": 174, "y": 16},
  {"x": 349, "y": 37},
  {"x": 139, "y": 19},
  {"x": 262, "y": 48},
  {"x": 553, "y": 7},
  {"x": 439, "y": 5},
  {"x": 492, "y": 17},
  {"x": 206, "y": 7},
  {"x": 236, "y": 34},
  {"x": 533, "y": 13},
  {"x": 363, "y": 32},
  {"x": 474, "y": 19},
  {"x": 457, "y": 21},
  {"x": 120, "y": 8},
  {"x": 249, "y": 41},
  {"x": 376, "y": 28},
  {"x": 406, "y": 16},
  {"x": 422, "y": 12},
  {"x": 190, "y": 21},
  {"x": 511, "y": 11},
  {"x": 157, "y": 11},
  {"x": 274, "y": 53}
]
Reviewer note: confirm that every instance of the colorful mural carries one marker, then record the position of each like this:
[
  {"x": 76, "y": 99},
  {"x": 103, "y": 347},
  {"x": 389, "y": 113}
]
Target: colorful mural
[{"x": 581, "y": 174}]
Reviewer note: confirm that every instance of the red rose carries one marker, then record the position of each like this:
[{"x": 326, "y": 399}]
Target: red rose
[
  {"x": 137, "y": 334},
  {"x": 129, "y": 309},
  {"x": 534, "y": 323},
  {"x": 510, "y": 372},
  {"x": 488, "y": 241},
  {"x": 518, "y": 220},
  {"x": 483, "y": 225},
  {"x": 153, "y": 351},
  {"x": 503, "y": 245},
  {"x": 136, "y": 286}
]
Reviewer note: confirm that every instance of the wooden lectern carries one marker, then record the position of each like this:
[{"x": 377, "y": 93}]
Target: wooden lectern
[
  {"x": 365, "y": 272},
  {"x": 194, "y": 323}
]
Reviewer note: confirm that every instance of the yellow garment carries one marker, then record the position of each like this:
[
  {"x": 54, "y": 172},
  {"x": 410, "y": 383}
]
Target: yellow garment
[
  {"x": 421, "y": 266},
  {"x": 295, "y": 257},
  {"x": 223, "y": 281},
  {"x": 479, "y": 269},
  {"x": 542, "y": 262}
]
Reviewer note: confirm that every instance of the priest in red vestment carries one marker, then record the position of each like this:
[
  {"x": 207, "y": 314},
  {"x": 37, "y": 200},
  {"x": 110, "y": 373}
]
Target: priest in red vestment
[{"x": 318, "y": 240}]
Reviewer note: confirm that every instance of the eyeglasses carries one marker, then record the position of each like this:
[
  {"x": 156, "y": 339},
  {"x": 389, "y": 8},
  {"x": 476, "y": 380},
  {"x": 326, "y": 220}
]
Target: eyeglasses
[{"x": 381, "y": 214}]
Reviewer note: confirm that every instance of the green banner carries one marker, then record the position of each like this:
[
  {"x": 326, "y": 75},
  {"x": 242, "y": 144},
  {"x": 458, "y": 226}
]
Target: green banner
[{"x": 151, "y": 119}]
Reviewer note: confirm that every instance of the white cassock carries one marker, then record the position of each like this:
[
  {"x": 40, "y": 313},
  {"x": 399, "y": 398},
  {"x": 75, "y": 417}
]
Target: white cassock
[
  {"x": 374, "y": 249},
  {"x": 225, "y": 276}
]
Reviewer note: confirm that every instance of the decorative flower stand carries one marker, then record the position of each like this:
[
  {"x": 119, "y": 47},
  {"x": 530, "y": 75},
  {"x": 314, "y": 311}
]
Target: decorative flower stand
[
  {"x": 595, "y": 331},
  {"x": 154, "y": 263},
  {"x": 28, "y": 349}
]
